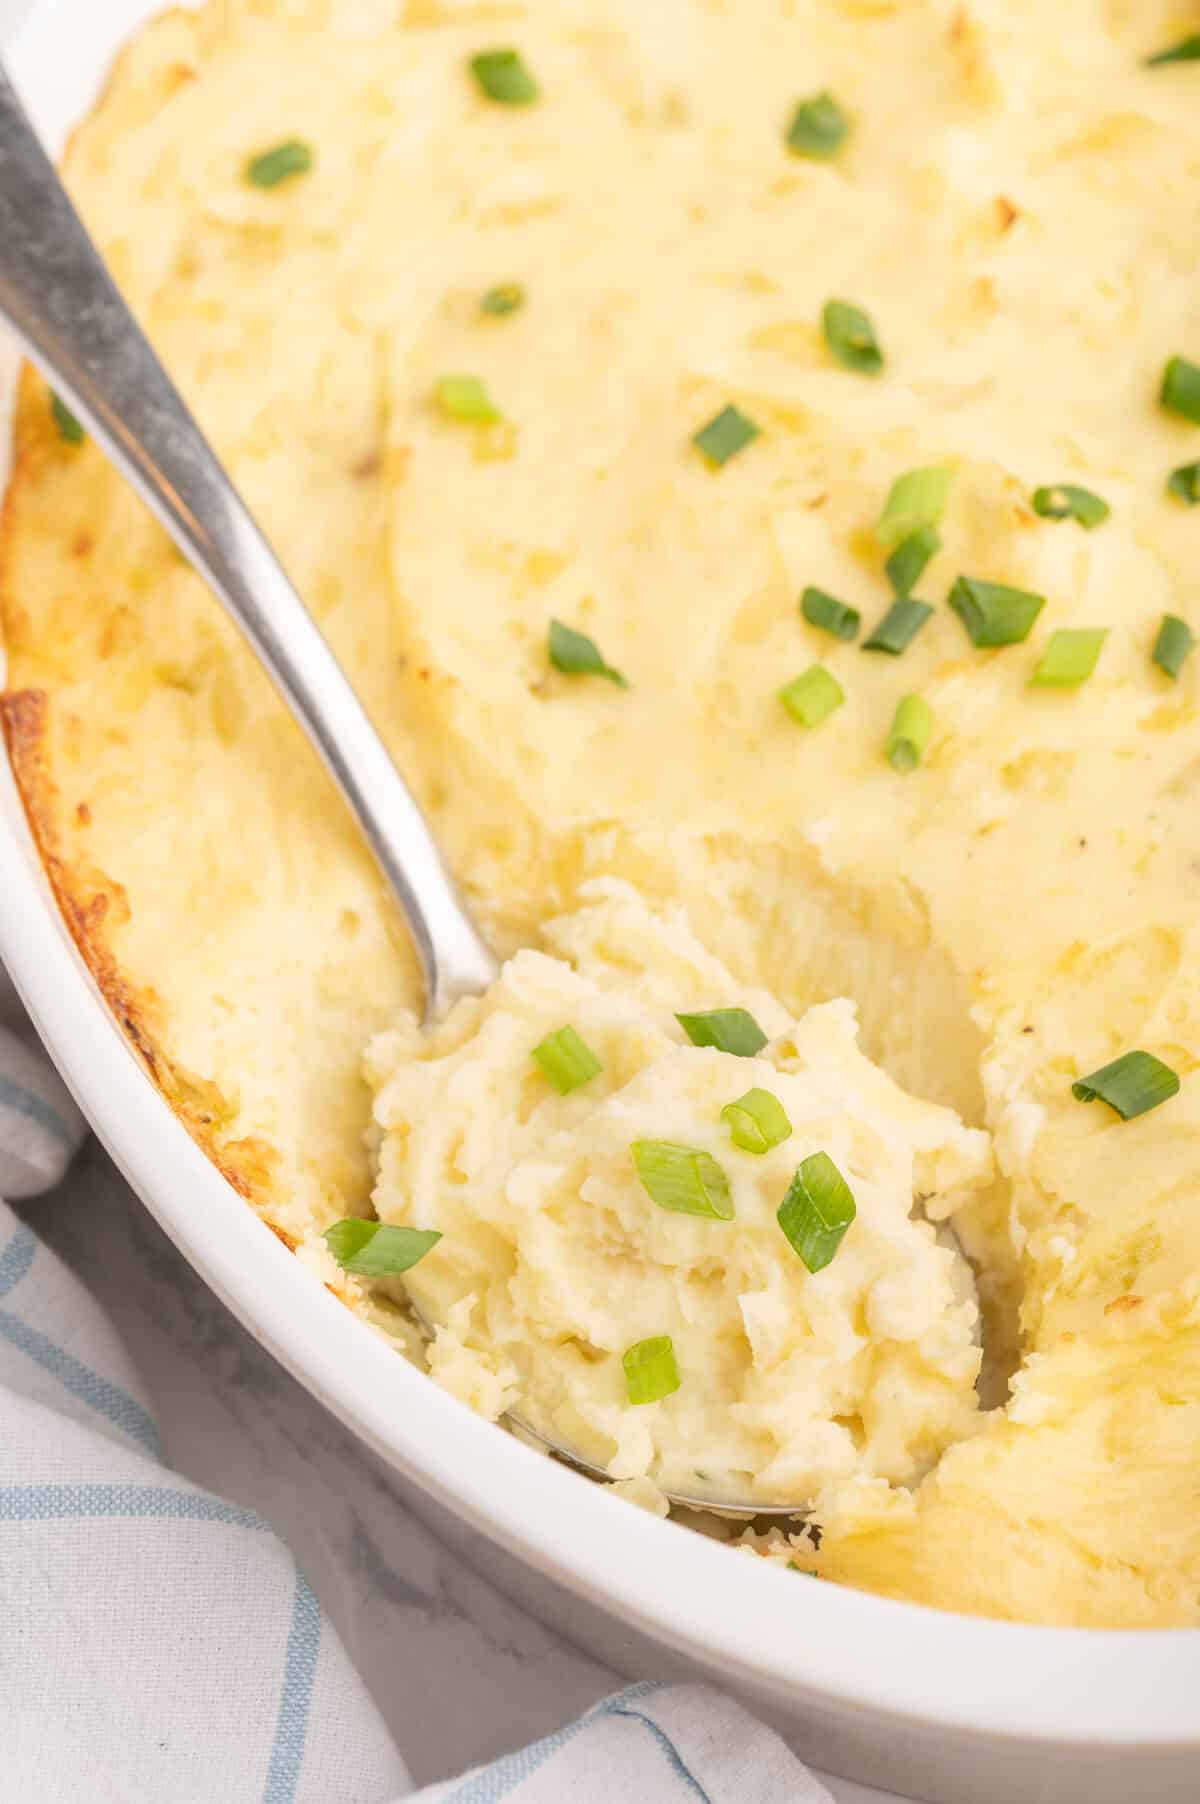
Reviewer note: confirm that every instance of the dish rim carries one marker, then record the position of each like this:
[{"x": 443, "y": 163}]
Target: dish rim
[{"x": 1123, "y": 1689}]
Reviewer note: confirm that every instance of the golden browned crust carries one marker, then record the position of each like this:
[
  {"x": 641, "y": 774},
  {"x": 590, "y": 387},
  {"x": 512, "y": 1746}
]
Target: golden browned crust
[
  {"x": 88, "y": 900},
  {"x": 85, "y": 895}
]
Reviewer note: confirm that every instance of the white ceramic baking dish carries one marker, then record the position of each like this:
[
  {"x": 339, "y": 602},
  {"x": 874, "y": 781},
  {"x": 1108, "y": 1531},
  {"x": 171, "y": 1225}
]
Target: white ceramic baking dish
[{"x": 945, "y": 1708}]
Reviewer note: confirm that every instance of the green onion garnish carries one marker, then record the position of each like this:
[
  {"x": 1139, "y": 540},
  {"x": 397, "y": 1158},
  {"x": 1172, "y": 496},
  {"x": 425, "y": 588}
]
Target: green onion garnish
[
  {"x": 831, "y": 615},
  {"x": 994, "y": 614},
  {"x": 1180, "y": 391},
  {"x": 374, "y": 1249},
  {"x": 1069, "y": 658},
  {"x": 851, "y": 337},
  {"x": 1186, "y": 51},
  {"x": 465, "y": 399},
  {"x": 503, "y": 77},
  {"x": 916, "y": 499},
  {"x": 1131, "y": 1085},
  {"x": 69, "y": 429},
  {"x": 804, "y": 1571},
  {"x": 650, "y": 1369},
  {"x": 1175, "y": 640},
  {"x": 757, "y": 1121},
  {"x": 576, "y": 655},
  {"x": 907, "y": 563},
  {"x": 566, "y": 1060},
  {"x": 811, "y": 697},
  {"x": 727, "y": 433},
  {"x": 819, "y": 127},
  {"x": 816, "y": 1211},
  {"x": 504, "y": 299},
  {"x": 1185, "y": 483},
  {"x": 1066, "y": 502},
  {"x": 294, "y": 157},
  {"x": 899, "y": 627},
  {"x": 911, "y": 726},
  {"x": 683, "y": 1178},
  {"x": 728, "y": 1029}
]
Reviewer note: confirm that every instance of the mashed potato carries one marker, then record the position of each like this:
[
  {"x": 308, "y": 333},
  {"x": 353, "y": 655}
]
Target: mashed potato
[
  {"x": 1013, "y": 205},
  {"x": 554, "y": 1259}
]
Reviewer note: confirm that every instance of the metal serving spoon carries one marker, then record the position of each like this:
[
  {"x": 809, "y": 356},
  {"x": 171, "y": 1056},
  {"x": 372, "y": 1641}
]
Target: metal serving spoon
[{"x": 57, "y": 295}]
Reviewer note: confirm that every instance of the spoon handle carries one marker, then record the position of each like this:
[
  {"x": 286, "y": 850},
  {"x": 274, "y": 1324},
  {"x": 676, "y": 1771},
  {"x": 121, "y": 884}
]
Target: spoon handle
[{"x": 59, "y": 298}]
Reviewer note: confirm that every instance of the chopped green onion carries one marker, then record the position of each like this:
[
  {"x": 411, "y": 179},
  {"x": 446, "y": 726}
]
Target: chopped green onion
[
  {"x": 503, "y": 77},
  {"x": 1185, "y": 483},
  {"x": 804, "y": 1571},
  {"x": 576, "y": 655},
  {"x": 899, "y": 627},
  {"x": 1186, "y": 51},
  {"x": 728, "y": 1029},
  {"x": 727, "y": 433},
  {"x": 1180, "y": 391},
  {"x": 1175, "y": 640},
  {"x": 1069, "y": 658},
  {"x": 465, "y": 399},
  {"x": 1066, "y": 502},
  {"x": 831, "y": 615},
  {"x": 911, "y": 726},
  {"x": 816, "y": 1211},
  {"x": 907, "y": 563},
  {"x": 69, "y": 429},
  {"x": 851, "y": 337},
  {"x": 294, "y": 157},
  {"x": 994, "y": 614},
  {"x": 1131, "y": 1085},
  {"x": 812, "y": 696},
  {"x": 504, "y": 299},
  {"x": 916, "y": 499},
  {"x": 650, "y": 1369},
  {"x": 819, "y": 127},
  {"x": 374, "y": 1249},
  {"x": 757, "y": 1121},
  {"x": 566, "y": 1060},
  {"x": 683, "y": 1178}
]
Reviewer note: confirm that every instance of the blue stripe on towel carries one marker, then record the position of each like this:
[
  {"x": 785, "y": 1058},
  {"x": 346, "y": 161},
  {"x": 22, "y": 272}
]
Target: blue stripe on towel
[
  {"x": 16, "y": 1259},
  {"x": 100, "y": 1394},
  {"x": 24, "y": 1102},
  {"x": 620, "y": 1706},
  {"x": 92, "y": 1502},
  {"x": 501, "y": 1779},
  {"x": 75, "y": 1503},
  {"x": 295, "y": 1696}
]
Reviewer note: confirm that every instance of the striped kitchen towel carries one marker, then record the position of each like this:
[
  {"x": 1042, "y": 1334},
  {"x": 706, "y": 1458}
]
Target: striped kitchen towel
[
  {"x": 159, "y": 1643},
  {"x": 40, "y": 1127},
  {"x": 651, "y": 1744}
]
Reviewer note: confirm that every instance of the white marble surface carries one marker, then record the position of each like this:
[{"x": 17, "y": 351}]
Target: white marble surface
[{"x": 459, "y": 1670}]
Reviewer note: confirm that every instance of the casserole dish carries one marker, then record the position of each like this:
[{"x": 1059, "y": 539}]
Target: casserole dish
[{"x": 940, "y": 1706}]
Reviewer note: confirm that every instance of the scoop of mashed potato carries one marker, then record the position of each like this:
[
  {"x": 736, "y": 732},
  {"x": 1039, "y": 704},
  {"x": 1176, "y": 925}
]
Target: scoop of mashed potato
[{"x": 555, "y": 1259}]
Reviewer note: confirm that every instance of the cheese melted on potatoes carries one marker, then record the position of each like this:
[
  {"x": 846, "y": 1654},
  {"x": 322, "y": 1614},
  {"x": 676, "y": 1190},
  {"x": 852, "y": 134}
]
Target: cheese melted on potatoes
[{"x": 1012, "y": 206}]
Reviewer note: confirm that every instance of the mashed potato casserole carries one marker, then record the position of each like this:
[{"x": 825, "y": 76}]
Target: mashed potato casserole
[{"x": 745, "y": 454}]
